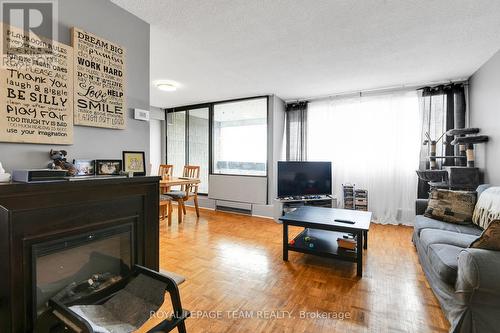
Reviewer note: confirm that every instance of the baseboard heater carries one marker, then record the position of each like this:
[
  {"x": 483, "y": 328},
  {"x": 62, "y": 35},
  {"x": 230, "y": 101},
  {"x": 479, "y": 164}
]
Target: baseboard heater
[{"x": 234, "y": 207}]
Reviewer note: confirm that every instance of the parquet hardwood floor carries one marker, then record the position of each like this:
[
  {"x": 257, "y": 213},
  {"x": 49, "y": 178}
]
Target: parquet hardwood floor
[{"x": 238, "y": 282}]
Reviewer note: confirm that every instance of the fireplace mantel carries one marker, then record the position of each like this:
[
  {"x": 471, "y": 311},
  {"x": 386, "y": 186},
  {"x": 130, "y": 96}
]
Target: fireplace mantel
[{"x": 32, "y": 213}]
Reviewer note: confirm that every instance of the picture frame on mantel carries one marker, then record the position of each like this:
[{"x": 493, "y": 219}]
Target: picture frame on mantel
[
  {"x": 134, "y": 161},
  {"x": 108, "y": 167},
  {"x": 84, "y": 167}
]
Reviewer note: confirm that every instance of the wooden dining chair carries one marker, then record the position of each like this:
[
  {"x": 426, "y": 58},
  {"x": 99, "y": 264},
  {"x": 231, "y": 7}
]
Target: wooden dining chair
[
  {"x": 166, "y": 204},
  {"x": 186, "y": 192},
  {"x": 165, "y": 171},
  {"x": 191, "y": 171}
]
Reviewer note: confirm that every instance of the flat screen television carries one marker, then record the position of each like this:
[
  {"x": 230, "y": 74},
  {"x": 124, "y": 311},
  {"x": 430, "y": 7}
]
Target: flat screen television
[{"x": 304, "y": 178}]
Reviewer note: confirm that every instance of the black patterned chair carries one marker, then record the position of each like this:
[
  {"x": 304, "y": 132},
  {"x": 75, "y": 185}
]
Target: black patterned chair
[{"x": 126, "y": 306}]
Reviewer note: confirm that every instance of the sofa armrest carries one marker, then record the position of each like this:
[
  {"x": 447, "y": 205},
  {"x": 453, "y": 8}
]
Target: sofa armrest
[
  {"x": 421, "y": 206},
  {"x": 477, "y": 292},
  {"x": 479, "y": 270}
]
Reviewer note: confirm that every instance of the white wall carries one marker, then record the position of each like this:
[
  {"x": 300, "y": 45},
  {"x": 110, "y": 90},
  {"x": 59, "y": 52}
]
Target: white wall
[
  {"x": 484, "y": 92},
  {"x": 278, "y": 135},
  {"x": 275, "y": 152},
  {"x": 156, "y": 138}
]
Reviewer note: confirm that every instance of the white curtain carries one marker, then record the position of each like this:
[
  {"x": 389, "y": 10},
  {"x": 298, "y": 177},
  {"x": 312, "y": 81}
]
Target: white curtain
[{"x": 374, "y": 143}]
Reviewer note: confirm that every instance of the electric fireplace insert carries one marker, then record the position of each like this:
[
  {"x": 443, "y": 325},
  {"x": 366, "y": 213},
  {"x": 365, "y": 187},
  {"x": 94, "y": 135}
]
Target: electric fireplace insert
[{"x": 75, "y": 267}]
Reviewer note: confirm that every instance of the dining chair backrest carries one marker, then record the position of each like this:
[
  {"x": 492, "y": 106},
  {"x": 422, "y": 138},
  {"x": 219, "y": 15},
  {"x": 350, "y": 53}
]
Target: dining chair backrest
[
  {"x": 191, "y": 171},
  {"x": 165, "y": 170}
]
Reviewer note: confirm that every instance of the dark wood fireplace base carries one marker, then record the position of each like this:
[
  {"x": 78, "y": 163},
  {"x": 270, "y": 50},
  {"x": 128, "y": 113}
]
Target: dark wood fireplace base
[{"x": 35, "y": 213}]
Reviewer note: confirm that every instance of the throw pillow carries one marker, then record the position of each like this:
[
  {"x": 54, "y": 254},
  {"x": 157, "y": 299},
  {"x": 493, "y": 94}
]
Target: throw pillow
[
  {"x": 487, "y": 207},
  {"x": 451, "y": 206},
  {"x": 490, "y": 238}
]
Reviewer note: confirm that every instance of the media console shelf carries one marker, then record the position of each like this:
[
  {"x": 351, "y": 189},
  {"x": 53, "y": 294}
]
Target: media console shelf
[{"x": 285, "y": 205}]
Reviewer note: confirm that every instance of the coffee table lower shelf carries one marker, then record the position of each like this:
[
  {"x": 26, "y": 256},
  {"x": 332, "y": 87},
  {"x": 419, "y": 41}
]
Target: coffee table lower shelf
[
  {"x": 324, "y": 244},
  {"x": 325, "y": 226}
]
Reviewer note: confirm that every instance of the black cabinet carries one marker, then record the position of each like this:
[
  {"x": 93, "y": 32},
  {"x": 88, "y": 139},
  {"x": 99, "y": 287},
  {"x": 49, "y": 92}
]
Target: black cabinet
[{"x": 37, "y": 213}]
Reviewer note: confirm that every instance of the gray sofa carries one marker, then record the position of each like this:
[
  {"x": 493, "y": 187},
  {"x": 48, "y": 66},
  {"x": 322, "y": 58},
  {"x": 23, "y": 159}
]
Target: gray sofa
[{"x": 466, "y": 281}]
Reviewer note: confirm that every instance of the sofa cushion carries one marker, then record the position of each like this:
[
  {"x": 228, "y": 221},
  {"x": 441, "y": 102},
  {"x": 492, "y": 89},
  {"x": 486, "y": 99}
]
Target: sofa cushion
[
  {"x": 487, "y": 208},
  {"x": 444, "y": 261},
  {"x": 429, "y": 237},
  {"x": 490, "y": 238},
  {"x": 423, "y": 222},
  {"x": 451, "y": 206}
]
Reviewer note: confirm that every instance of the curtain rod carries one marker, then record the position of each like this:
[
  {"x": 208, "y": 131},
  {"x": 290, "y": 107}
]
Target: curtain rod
[{"x": 375, "y": 91}]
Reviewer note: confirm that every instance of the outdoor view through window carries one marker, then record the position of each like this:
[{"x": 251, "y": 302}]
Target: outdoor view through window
[{"x": 240, "y": 137}]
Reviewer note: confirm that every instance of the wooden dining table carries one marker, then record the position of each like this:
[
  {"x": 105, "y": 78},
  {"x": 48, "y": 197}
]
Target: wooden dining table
[{"x": 168, "y": 182}]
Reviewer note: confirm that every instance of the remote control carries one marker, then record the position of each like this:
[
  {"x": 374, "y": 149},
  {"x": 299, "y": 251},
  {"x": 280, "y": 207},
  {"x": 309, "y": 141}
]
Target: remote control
[{"x": 345, "y": 221}]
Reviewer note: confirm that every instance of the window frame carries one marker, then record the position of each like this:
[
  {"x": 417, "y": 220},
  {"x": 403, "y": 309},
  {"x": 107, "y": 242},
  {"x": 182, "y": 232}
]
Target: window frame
[
  {"x": 210, "y": 107},
  {"x": 186, "y": 109},
  {"x": 212, "y": 134}
]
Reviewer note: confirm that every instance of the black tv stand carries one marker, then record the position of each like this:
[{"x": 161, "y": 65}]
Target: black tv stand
[
  {"x": 287, "y": 204},
  {"x": 305, "y": 198}
]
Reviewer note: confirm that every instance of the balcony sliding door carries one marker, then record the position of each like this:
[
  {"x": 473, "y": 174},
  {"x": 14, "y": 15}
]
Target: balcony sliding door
[
  {"x": 198, "y": 152},
  {"x": 176, "y": 141},
  {"x": 188, "y": 142}
]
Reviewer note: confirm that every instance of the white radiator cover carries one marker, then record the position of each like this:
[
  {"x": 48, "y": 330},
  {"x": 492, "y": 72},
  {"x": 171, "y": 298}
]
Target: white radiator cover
[{"x": 242, "y": 189}]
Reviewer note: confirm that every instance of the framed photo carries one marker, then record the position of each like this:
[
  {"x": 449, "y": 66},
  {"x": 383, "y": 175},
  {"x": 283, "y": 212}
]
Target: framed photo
[
  {"x": 108, "y": 167},
  {"x": 84, "y": 167},
  {"x": 134, "y": 161}
]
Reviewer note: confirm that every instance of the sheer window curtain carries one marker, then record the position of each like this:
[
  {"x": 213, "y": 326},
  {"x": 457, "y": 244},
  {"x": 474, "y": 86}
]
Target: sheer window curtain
[{"x": 373, "y": 142}]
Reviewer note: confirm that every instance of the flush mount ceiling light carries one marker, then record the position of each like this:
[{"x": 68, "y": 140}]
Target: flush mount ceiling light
[{"x": 166, "y": 85}]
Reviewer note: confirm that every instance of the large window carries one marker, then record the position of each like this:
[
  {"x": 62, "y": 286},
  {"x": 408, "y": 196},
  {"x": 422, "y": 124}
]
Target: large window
[
  {"x": 240, "y": 137},
  {"x": 187, "y": 142}
]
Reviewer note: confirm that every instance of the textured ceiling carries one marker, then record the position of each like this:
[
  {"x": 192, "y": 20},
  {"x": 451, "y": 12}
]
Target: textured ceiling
[{"x": 223, "y": 49}]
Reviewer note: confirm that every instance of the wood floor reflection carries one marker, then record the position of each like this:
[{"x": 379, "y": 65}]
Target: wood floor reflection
[{"x": 237, "y": 281}]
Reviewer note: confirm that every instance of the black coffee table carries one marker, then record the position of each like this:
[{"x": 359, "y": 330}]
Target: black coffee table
[{"x": 320, "y": 225}]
